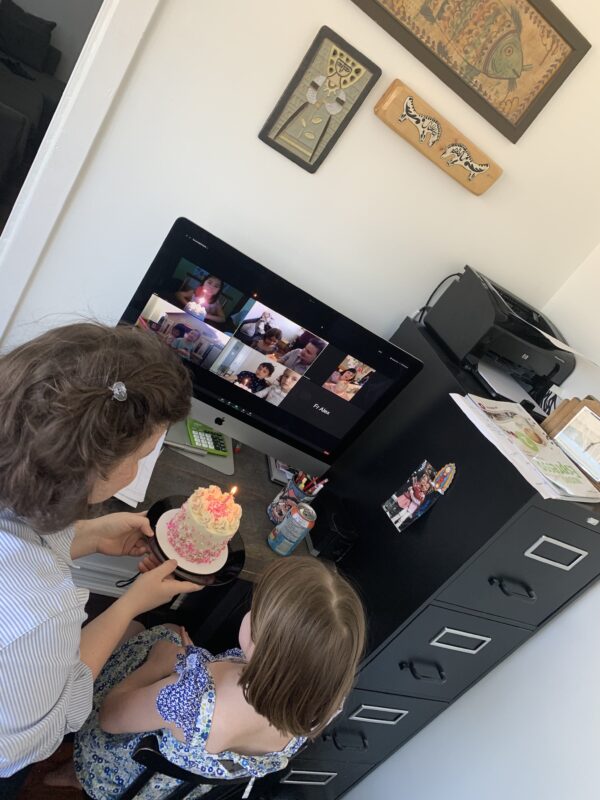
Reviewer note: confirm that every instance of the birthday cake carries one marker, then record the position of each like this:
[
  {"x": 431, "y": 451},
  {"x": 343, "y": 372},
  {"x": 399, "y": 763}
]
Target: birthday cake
[
  {"x": 195, "y": 308},
  {"x": 200, "y": 530}
]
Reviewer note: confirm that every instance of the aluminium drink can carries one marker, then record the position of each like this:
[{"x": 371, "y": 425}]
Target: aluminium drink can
[{"x": 285, "y": 537}]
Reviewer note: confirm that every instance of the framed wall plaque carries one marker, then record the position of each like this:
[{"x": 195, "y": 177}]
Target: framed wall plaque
[
  {"x": 505, "y": 58},
  {"x": 325, "y": 92}
]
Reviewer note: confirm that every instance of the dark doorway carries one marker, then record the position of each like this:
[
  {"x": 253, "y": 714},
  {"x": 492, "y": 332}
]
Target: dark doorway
[{"x": 40, "y": 43}]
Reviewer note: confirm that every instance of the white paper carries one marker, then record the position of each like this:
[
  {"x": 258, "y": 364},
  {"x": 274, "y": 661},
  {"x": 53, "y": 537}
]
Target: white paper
[
  {"x": 504, "y": 384},
  {"x": 135, "y": 492},
  {"x": 542, "y": 468}
]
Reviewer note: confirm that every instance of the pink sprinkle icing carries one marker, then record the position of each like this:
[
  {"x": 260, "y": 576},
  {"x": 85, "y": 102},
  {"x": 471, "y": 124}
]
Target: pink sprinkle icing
[{"x": 184, "y": 546}]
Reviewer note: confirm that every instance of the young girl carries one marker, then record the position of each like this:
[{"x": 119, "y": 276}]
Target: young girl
[
  {"x": 207, "y": 294},
  {"x": 279, "y": 389},
  {"x": 243, "y": 712},
  {"x": 339, "y": 383},
  {"x": 186, "y": 343},
  {"x": 267, "y": 342},
  {"x": 79, "y": 406},
  {"x": 412, "y": 498}
]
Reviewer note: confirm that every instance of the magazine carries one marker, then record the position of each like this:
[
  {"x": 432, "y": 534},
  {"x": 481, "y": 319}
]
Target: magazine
[{"x": 518, "y": 437}]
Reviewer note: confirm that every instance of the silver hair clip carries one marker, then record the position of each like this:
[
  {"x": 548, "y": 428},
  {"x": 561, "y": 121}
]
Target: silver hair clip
[{"x": 119, "y": 391}]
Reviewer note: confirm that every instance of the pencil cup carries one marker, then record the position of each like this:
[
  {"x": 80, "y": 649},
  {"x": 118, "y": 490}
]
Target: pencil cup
[{"x": 288, "y": 497}]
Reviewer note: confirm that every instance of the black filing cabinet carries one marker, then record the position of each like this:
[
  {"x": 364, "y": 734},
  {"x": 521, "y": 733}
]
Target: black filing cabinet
[
  {"x": 455, "y": 593},
  {"x": 441, "y": 653}
]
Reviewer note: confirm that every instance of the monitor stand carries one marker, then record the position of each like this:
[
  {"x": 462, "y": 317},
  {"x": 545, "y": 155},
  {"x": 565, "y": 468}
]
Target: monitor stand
[{"x": 177, "y": 433}]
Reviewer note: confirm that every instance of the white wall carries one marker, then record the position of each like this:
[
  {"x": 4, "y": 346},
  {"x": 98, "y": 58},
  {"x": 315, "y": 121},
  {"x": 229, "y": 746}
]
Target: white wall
[
  {"x": 575, "y": 308},
  {"x": 576, "y": 305},
  {"x": 73, "y": 19},
  {"x": 371, "y": 232}
]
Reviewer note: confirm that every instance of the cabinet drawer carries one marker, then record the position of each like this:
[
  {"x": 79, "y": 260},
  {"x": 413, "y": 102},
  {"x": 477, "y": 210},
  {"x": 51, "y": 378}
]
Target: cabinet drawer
[
  {"x": 531, "y": 570},
  {"x": 371, "y": 726},
  {"x": 313, "y": 779},
  {"x": 440, "y": 654}
]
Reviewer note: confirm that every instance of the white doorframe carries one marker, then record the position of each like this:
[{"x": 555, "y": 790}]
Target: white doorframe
[{"x": 100, "y": 70}]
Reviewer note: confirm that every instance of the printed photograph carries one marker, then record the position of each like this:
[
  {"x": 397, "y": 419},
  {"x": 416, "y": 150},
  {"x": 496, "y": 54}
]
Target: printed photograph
[{"x": 413, "y": 498}]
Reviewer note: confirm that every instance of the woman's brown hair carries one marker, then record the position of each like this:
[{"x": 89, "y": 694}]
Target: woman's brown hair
[
  {"x": 308, "y": 628},
  {"x": 61, "y": 427}
]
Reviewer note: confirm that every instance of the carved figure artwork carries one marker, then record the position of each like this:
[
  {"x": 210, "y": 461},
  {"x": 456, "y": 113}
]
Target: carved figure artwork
[
  {"x": 436, "y": 138},
  {"x": 325, "y": 97},
  {"x": 327, "y": 89},
  {"x": 422, "y": 122},
  {"x": 459, "y": 154}
]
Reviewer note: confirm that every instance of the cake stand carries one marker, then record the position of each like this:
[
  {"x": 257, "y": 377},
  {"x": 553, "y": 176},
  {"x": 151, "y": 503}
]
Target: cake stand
[{"x": 236, "y": 553}]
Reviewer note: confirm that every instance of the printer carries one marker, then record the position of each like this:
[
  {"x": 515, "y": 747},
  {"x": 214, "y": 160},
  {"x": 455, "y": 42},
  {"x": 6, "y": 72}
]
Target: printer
[{"x": 476, "y": 321}]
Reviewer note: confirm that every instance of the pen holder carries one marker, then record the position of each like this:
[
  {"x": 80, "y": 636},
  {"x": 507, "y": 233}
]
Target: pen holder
[{"x": 289, "y": 496}]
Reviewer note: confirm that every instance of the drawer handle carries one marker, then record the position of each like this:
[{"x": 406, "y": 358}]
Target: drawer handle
[
  {"x": 512, "y": 588},
  {"x": 430, "y": 671},
  {"x": 340, "y": 745}
]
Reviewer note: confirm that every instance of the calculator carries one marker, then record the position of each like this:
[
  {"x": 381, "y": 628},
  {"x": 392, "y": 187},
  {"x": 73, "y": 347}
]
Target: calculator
[{"x": 204, "y": 438}]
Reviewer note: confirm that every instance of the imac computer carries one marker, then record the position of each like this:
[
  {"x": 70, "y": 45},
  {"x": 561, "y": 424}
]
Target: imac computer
[{"x": 271, "y": 366}]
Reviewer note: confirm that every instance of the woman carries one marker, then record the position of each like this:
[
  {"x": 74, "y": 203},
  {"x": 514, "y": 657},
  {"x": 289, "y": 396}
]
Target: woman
[{"x": 79, "y": 407}]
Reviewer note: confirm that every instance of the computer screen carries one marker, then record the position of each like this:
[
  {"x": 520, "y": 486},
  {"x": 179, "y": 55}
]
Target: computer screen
[{"x": 263, "y": 351}]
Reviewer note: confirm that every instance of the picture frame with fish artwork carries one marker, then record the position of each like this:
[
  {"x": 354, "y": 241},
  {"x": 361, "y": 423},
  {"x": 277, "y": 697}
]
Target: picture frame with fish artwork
[
  {"x": 505, "y": 58},
  {"x": 325, "y": 92},
  {"x": 433, "y": 136}
]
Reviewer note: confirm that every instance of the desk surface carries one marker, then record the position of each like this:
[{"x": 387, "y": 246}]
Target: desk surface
[{"x": 174, "y": 474}]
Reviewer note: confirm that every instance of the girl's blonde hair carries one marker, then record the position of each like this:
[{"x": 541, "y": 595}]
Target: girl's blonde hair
[
  {"x": 308, "y": 628},
  {"x": 286, "y": 373},
  {"x": 60, "y": 426}
]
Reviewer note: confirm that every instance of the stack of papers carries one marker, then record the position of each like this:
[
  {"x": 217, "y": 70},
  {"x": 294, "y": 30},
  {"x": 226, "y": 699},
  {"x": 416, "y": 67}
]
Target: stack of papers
[
  {"x": 518, "y": 437},
  {"x": 135, "y": 492}
]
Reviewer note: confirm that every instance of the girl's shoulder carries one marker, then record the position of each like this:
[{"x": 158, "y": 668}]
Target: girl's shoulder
[
  {"x": 236, "y": 726},
  {"x": 190, "y": 700}
]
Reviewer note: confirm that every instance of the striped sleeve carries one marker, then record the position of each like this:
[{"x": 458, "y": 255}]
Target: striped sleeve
[
  {"x": 61, "y": 543},
  {"x": 45, "y": 691}
]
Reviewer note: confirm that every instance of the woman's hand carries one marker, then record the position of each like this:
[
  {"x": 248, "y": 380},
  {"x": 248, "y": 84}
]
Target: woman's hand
[
  {"x": 148, "y": 562},
  {"x": 121, "y": 534},
  {"x": 154, "y": 588}
]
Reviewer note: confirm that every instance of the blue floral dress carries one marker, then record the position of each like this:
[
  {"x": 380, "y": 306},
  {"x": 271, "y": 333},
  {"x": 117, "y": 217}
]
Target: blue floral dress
[{"x": 103, "y": 761}]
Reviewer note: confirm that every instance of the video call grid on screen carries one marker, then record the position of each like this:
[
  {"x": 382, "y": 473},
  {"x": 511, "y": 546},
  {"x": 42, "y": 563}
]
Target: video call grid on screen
[{"x": 279, "y": 367}]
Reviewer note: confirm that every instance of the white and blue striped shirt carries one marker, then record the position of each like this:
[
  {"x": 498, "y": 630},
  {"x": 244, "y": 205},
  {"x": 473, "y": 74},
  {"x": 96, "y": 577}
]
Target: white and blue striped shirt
[{"x": 45, "y": 690}]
